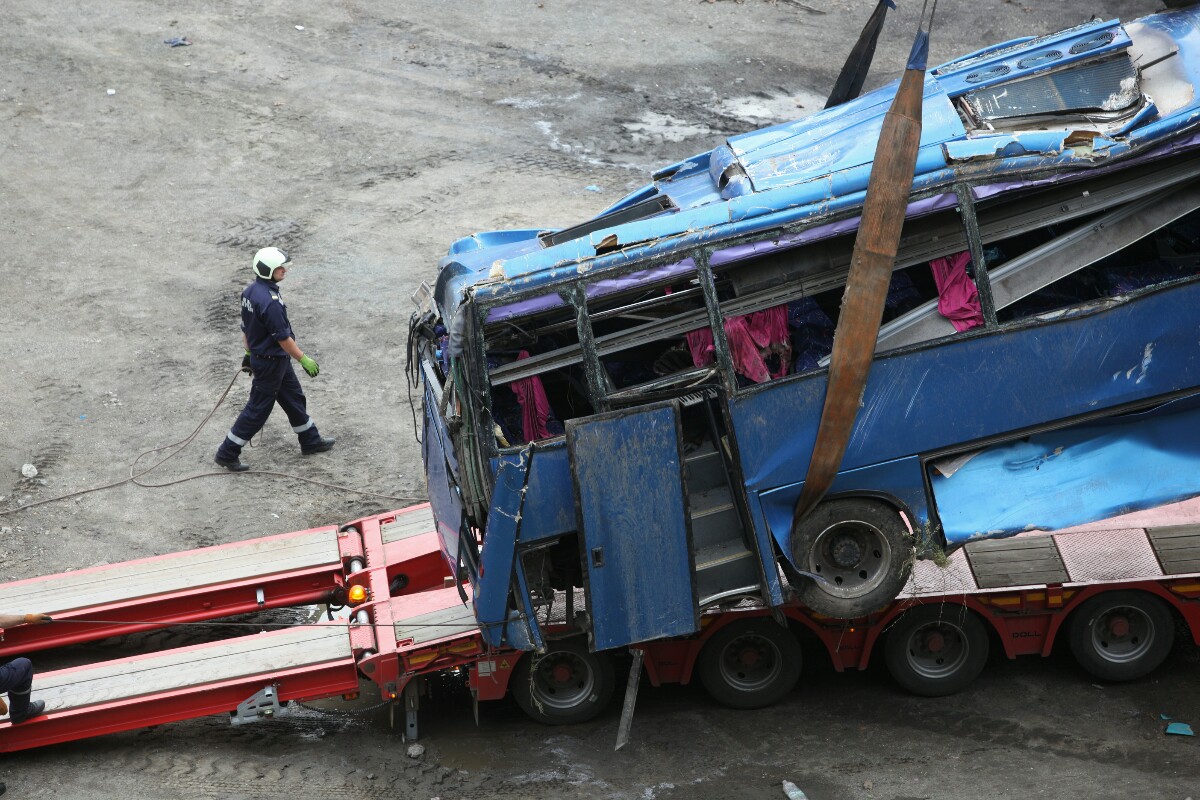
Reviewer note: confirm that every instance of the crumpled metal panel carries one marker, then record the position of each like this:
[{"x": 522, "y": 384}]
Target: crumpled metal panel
[
  {"x": 1023, "y": 57},
  {"x": 822, "y": 146},
  {"x": 635, "y": 525},
  {"x": 1108, "y": 85},
  {"x": 1075, "y": 475},
  {"x": 441, "y": 475}
]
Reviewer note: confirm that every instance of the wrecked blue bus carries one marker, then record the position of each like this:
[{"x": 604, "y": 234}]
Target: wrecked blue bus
[{"x": 624, "y": 410}]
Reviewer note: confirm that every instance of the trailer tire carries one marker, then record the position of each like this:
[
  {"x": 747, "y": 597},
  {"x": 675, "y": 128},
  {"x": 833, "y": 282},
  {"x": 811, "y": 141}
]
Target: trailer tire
[
  {"x": 937, "y": 649},
  {"x": 565, "y": 685},
  {"x": 861, "y": 548},
  {"x": 1122, "y": 636},
  {"x": 750, "y": 663}
]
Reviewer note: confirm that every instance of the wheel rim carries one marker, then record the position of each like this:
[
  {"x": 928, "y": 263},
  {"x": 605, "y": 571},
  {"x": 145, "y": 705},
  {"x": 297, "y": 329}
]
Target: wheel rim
[
  {"x": 1122, "y": 634},
  {"x": 937, "y": 650},
  {"x": 750, "y": 662},
  {"x": 563, "y": 680},
  {"x": 852, "y": 556}
]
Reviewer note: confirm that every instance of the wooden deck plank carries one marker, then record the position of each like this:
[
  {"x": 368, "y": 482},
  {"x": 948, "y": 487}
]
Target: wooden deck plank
[
  {"x": 412, "y": 523},
  {"x": 1016, "y": 562},
  {"x": 1011, "y": 544},
  {"x": 1177, "y": 548},
  {"x": 997, "y": 580},
  {"x": 450, "y": 621},
  {"x": 192, "y": 569},
  {"x": 246, "y": 656},
  {"x": 1174, "y": 532},
  {"x": 1027, "y": 561}
]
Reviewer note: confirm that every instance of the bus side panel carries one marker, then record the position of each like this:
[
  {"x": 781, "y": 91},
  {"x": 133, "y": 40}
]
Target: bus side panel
[
  {"x": 980, "y": 385},
  {"x": 898, "y": 480},
  {"x": 441, "y": 469},
  {"x": 549, "y": 508}
]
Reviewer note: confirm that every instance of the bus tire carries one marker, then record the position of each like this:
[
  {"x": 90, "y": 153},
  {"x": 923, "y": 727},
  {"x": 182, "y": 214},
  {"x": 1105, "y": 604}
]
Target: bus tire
[
  {"x": 1122, "y": 636},
  {"x": 861, "y": 548},
  {"x": 937, "y": 649},
  {"x": 565, "y": 685},
  {"x": 750, "y": 663}
]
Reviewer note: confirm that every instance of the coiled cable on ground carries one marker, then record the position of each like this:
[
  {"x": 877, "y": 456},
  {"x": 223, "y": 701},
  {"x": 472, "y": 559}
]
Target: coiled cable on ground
[{"x": 179, "y": 446}]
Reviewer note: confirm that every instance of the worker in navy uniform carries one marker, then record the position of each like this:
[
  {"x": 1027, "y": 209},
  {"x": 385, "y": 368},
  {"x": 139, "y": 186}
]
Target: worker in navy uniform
[
  {"x": 270, "y": 348},
  {"x": 16, "y": 677}
]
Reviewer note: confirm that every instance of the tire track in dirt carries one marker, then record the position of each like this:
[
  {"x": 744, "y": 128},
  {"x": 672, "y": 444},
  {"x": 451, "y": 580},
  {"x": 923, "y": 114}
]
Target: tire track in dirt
[{"x": 53, "y": 446}]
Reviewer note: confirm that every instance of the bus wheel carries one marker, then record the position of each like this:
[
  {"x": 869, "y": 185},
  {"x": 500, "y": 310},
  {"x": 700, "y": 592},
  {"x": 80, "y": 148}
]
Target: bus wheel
[
  {"x": 1120, "y": 636},
  {"x": 861, "y": 548},
  {"x": 565, "y": 685},
  {"x": 936, "y": 650},
  {"x": 750, "y": 663}
]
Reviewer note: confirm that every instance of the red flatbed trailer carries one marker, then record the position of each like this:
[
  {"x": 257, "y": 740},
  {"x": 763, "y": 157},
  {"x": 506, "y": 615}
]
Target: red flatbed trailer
[{"x": 1116, "y": 590}]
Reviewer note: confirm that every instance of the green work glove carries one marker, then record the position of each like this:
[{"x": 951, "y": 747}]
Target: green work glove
[
  {"x": 246, "y": 363},
  {"x": 310, "y": 366}
]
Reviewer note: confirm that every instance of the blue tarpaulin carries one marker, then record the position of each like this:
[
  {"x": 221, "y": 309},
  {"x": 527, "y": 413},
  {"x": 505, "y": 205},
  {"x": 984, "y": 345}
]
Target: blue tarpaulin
[{"x": 1074, "y": 475}]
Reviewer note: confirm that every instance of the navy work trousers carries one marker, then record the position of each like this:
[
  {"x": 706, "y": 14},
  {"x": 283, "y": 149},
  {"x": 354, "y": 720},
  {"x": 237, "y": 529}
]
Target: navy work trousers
[
  {"x": 274, "y": 382},
  {"x": 16, "y": 677}
]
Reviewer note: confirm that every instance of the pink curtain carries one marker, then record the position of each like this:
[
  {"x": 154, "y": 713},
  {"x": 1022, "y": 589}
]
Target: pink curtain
[
  {"x": 769, "y": 330},
  {"x": 700, "y": 343},
  {"x": 752, "y": 338},
  {"x": 958, "y": 300},
  {"x": 535, "y": 406}
]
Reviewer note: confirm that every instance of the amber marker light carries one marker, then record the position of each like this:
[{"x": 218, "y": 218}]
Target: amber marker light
[{"x": 356, "y": 594}]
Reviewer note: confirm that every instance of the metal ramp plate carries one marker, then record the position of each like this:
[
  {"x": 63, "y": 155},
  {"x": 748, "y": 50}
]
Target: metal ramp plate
[
  {"x": 161, "y": 575},
  {"x": 1178, "y": 548},
  {"x": 1099, "y": 556},
  {"x": 192, "y": 667},
  {"x": 409, "y": 524},
  {"x": 1020, "y": 561},
  {"x": 953, "y": 578}
]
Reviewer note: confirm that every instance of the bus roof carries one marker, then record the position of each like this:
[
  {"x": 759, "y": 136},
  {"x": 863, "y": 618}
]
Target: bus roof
[{"x": 1071, "y": 100}]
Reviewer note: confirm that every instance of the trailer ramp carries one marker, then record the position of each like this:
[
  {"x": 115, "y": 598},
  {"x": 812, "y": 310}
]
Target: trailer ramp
[
  {"x": 271, "y": 572},
  {"x": 305, "y": 662}
]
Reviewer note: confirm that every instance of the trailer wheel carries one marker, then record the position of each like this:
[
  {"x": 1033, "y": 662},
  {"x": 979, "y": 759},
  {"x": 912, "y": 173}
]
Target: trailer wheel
[
  {"x": 565, "y": 685},
  {"x": 861, "y": 548},
  {"x": 936, "y": 650},
  {"x": 1121, "y": 636},
  {"x": 750, "y": 663}
]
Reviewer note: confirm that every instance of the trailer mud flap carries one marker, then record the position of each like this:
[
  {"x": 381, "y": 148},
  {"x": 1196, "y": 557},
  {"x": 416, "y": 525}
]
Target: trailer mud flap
[{"x": 631, "y": 507}]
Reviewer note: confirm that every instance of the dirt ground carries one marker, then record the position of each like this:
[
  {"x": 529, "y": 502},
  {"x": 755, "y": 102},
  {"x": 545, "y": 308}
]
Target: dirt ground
[{"x": 363, "y": 137}]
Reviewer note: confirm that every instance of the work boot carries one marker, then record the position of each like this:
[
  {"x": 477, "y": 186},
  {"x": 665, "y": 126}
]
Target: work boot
[
  {"x": 34, "y": 709},
  {"x": 232, "y": 464},
  {"x": 320, "y": 446}
]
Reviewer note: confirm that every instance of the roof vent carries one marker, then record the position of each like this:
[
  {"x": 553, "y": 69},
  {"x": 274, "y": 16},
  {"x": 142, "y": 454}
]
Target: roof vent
[
  {"x": 1040, "y": 60},
  {"x": 998, "y": 71},
  {"x": 1092, "y": 42}
]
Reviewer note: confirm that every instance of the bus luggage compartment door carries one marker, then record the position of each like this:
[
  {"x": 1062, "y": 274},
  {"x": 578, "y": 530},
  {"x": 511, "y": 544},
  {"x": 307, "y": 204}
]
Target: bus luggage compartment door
[{"x": 635, "y": 532}]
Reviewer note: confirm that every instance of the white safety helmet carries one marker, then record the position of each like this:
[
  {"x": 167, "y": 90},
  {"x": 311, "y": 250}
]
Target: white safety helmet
[{"x": 267, "y": 260}]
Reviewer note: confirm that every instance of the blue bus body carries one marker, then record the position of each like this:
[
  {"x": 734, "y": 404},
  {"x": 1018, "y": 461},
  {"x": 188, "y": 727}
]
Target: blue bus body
[{"x": 1076, "y": 396}]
